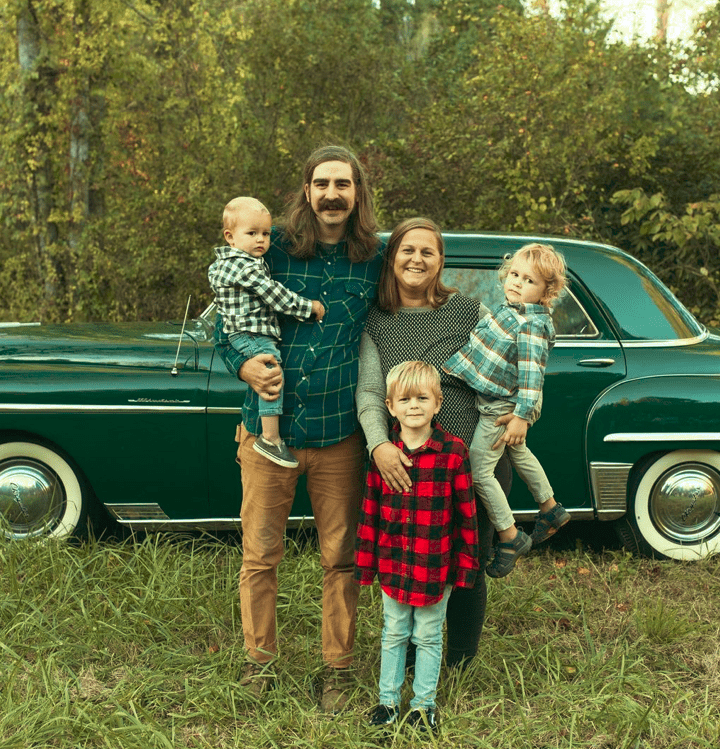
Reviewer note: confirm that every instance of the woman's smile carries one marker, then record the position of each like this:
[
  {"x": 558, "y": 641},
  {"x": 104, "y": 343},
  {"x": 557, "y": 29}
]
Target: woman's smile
[{"x": 417, "y": 263}]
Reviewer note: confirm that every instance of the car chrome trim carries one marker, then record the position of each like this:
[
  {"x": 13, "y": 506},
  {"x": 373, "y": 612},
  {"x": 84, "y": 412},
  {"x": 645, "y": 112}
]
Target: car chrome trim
[
  {"x": 663, "y": 437},
  {"x": 136, "y": 512},
  {"x": 596, "y": 363},
  {"x": 574, "y": 342},
  {"x": 224, "y": 410},
  {"x": 189, "y": 524},
  {"x": 76, "y": 408},
  {"x": 609, "y": 488},
  {"x": 577, "y": 342},
  {"x": 669, "y": 342},
  {"x": 578, "y": 513},
  {"x": 141, "y": 522}
]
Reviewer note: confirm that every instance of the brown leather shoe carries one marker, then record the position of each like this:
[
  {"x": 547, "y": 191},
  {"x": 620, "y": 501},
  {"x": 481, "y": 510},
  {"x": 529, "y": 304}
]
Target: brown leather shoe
[
  {"x": 337, "y": 689},
  {"x": 258, "y": 678}
]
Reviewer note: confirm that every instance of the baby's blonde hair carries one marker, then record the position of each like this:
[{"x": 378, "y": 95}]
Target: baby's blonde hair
[
  {"x": 547, "y": 262},
  {"x": 412, "y": 377},
  {"x": 236, "y": 207}
]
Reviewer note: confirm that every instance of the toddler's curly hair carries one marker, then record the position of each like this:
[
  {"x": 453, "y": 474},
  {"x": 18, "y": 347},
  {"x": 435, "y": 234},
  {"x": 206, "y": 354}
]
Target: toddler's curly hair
[{"x": 547, "y": 262}]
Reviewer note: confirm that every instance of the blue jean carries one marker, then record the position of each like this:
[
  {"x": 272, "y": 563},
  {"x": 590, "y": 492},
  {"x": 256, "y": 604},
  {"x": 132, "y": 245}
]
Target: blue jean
[
  {"x": 252, "y": 344},
  {"x": 422, "y": 625}
]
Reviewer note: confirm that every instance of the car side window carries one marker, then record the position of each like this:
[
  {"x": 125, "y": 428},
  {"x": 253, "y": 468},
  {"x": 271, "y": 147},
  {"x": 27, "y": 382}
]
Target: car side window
[{"x": 570, "y": 319}]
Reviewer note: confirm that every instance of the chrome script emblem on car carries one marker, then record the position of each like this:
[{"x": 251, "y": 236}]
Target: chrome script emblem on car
[
  {"x": 17, "y": 497},
  {"x": 155, "y": 400}
]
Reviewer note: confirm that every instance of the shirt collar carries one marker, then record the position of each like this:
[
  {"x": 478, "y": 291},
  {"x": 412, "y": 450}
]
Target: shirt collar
[
  {"x": 434, "y": 442},
  {"x": 323, "y": 249},
  {"x": 529, "y": 309},
  {"x": 223, "y": 253}
]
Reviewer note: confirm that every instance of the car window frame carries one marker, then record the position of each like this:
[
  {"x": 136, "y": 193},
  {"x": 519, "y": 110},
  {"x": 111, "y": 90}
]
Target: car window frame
[{"x": 597, "y": 334}]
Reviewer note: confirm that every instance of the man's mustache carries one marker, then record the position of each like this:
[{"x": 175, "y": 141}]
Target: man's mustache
[{"x": 336, "y": 204}]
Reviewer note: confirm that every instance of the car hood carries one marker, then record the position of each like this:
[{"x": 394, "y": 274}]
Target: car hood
[{"x": 138, "y": 344}]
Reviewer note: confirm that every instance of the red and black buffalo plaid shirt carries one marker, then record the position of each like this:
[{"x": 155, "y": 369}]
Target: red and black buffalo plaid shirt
[{"x": 420, "y": 541}]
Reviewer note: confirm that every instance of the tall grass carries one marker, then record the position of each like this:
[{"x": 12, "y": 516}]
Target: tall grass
[{"x": 139, "y": 644}]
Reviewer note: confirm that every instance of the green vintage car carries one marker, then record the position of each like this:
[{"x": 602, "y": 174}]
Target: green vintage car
[{"x": 137, "y": 421}]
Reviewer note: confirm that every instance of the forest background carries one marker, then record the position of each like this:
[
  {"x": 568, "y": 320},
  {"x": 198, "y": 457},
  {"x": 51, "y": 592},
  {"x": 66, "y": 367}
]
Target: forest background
[{"x": 126, "y": 125}]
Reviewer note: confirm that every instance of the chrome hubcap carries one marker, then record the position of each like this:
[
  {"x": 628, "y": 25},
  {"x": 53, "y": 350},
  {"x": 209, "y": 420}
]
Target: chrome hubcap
[
  {"x": 32, "y": 498},
  {"x": 685, "y": 503}
]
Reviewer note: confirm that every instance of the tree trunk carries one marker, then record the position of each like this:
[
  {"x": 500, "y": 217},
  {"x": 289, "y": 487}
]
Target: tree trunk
[
  {"x": 86, "y": 148},
  {"x": 662, "y": 15},
  {"x": 39, "y": 88}
]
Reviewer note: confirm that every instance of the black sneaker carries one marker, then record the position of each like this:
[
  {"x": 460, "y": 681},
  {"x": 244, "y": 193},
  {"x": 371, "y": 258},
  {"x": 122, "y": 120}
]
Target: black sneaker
[
  {"x": 423, "y": 720},
  {"x": 277, "y": 453},
  {"x": 383, "y": 716}
]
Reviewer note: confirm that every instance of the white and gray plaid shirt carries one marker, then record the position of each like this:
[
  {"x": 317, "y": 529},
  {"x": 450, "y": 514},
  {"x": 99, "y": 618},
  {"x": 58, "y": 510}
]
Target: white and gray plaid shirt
[{"x": 246, "y": 296}]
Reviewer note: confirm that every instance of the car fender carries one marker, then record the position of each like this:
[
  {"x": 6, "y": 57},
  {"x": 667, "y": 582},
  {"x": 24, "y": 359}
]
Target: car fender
[{"x": 653, "y": 451}]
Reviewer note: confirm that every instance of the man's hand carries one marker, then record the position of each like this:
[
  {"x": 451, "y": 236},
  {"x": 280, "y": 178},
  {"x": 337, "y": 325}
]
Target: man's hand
[
  {"x": 515, "y": 430},
  {"x": 265, "y": 381},
  {"x": 391, "y": 462},
  {"x": 318, "y": 310}
]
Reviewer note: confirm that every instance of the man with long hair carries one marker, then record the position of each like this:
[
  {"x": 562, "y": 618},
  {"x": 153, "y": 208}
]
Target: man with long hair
[{"x": 327, "y": 249}]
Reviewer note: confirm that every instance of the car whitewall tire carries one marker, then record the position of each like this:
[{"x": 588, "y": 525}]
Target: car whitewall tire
[
  {"x": 676, "y": 505},
  {"x": 41, "y": 495}
]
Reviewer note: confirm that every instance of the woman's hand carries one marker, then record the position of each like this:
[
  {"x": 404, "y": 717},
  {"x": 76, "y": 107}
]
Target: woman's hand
[
  {"x": 265, "y": 381},
  {"x": 391, "y": 462}
]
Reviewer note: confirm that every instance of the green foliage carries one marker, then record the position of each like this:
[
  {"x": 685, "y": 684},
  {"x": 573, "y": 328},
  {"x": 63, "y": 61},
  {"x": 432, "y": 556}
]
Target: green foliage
[
  {"x": 161, "y": 113},
  {"x": 538, "y": 131},
  {"x": 681, "y": 247},
  {"x": 127, "y": 126}
]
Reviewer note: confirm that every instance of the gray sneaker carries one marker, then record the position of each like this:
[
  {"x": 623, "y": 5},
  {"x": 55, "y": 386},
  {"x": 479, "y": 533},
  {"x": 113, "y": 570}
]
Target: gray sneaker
[{"x": 277, "y": 453}]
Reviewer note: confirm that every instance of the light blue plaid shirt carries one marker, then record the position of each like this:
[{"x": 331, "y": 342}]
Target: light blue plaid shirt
[{"x": 507, "y": 354}]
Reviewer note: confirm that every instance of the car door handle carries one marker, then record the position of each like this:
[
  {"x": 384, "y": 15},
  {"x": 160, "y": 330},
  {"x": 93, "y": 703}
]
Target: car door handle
[{"x": 596, "y": 362}]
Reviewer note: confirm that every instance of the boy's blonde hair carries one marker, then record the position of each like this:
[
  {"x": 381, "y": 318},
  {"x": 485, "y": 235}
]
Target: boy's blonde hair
[
  {"x": 236, "y": 207},
  {"x": 412, "y": 377},
  {"x": 548, "y": 263}
]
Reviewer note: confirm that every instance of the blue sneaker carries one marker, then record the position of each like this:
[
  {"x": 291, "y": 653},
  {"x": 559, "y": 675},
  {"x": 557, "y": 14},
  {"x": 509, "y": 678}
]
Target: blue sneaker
[
  {"x": 548, "y": 523},
  {"x": 507, "y": 553}
]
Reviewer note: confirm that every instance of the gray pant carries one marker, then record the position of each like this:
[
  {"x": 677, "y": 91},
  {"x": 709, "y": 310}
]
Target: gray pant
[{"x": 483, "y": 460}]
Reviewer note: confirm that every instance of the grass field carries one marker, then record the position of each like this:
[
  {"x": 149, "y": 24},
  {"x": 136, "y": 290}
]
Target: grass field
[{"x": 138, "y": 644}]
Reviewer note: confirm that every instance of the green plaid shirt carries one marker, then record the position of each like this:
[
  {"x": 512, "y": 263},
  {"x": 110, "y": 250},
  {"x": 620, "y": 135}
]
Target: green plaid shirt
[{"x": 320, "y": 360}]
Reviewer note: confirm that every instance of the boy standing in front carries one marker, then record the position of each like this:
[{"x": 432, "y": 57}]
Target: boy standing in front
[
  {"x": 420, "y": 543},
  {"x": 248, "y": 299}
]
